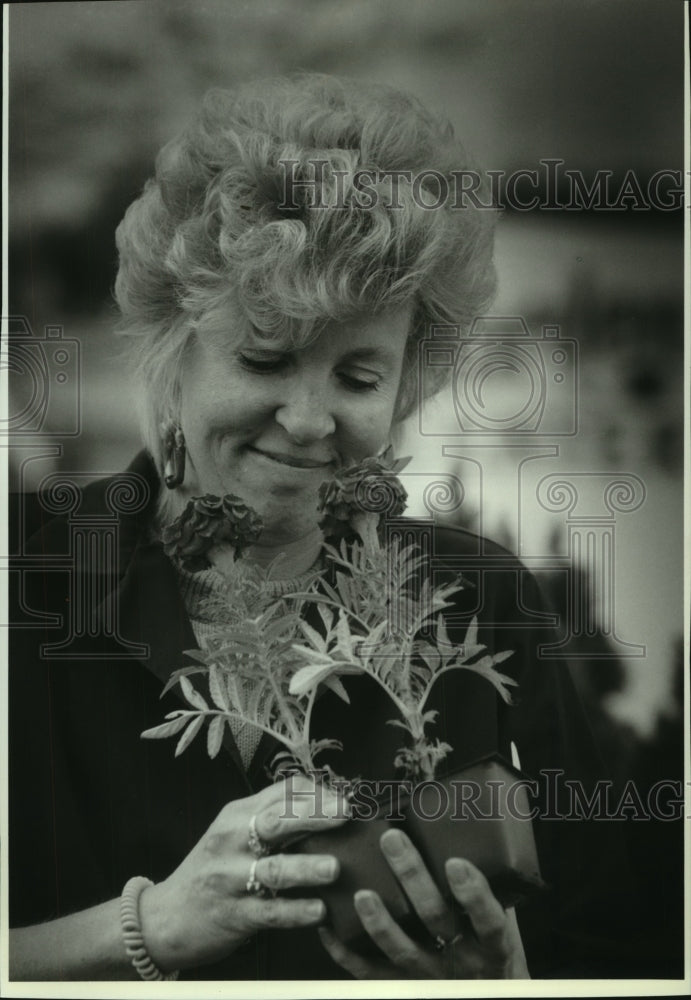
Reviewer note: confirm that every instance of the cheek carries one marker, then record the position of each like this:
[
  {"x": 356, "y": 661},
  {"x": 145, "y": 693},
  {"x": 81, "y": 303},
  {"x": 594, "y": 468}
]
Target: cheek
[
  {"x": 368, "y": 428},
  {"x": 216, "y": 402}
]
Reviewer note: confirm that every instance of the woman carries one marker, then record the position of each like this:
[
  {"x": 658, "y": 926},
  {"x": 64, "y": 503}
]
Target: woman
[{"x": 275, "y": 280}]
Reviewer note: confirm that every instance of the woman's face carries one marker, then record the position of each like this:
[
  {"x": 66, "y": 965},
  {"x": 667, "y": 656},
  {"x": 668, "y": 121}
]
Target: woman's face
[{"x": 270, "y": 425}]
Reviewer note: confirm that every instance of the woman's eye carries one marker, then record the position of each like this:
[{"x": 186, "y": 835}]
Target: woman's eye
[
  {"x": 264, "y": 363},
  {"x": 359, "y": 383}
]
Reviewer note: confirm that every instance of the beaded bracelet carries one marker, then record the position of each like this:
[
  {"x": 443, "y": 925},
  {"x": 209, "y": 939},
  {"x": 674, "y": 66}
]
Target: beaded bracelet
[{"x": 132, "y": 931}]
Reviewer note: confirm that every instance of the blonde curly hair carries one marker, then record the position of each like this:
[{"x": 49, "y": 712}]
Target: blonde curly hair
[{"x": 216, "y": 227}]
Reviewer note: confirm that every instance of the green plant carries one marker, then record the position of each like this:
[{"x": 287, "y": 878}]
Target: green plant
[
  {"x": 374, "y": 617},
  {"x": 379, "y": 613},
  {"x": 246, "y": 670}
]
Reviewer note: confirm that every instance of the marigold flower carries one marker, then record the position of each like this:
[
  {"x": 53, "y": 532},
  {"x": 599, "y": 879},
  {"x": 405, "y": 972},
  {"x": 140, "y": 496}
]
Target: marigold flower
[
  {"x": 371, "y": 487},
  {"x": 206, "y": 522}
]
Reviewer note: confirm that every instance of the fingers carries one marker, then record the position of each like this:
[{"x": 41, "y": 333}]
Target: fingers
[
  {"x": 275, "y": 872},
  {"x": 391, "y": 939},
  {"x": 271, "y": 913},
  {"x": 356, "y": 965},
  {"x": 410, "y": 870},
  {"x": 282, "y": 812},
  {"x": 302, "y": 807},
  {"x": 470, "y": 887},
  {"x": 286, "y": 871}
]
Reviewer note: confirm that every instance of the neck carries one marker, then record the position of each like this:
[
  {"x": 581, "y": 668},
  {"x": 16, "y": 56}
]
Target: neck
[{"x": 297, "y": 557}]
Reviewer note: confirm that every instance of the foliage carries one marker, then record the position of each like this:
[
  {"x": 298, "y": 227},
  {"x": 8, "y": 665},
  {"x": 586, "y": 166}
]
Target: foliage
[
  {"x": 379, "y": 615},
  {"x": 247, "y": 668},
  {"x": 383, "y": 618}
]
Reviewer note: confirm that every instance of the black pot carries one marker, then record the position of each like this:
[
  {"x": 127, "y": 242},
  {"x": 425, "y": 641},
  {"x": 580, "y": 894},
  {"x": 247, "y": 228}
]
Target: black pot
[
  {"x": 479, "y": 813},
  {"x": 473, "y": 813},
  {"x": 362, "y": 866}
]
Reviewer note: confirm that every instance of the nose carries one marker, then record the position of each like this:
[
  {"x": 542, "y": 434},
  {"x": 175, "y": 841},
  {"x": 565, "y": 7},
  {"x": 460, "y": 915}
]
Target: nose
[{"x": 306, "y": 412}]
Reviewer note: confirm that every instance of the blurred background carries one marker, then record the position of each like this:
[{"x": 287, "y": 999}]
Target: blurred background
[{"x": 96, "y": 88}]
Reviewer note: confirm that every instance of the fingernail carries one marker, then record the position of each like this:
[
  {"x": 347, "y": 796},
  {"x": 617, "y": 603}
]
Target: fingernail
[
  {"x": 458, "y": 870},
  {"x": 366, "y": 903},
  {"x": 326, "y": 869},
  {"x": 394, "y": 842},
  {"x": 315, "y": 908}
]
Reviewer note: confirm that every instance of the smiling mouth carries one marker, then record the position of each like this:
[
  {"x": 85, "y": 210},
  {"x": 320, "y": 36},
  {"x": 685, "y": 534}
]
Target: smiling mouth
[{"x": 293, "y": 461}]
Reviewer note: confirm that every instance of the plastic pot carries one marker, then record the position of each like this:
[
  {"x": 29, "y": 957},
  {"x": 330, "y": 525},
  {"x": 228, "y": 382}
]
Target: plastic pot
[
  {"x": 480, "y": 813},
  {"x": 474, "y": 813}
]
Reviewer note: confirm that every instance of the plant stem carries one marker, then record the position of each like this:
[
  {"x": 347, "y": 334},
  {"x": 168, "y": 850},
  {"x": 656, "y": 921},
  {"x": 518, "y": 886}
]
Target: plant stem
[
  {"x": 286, "y": 711},
  {"x": 366, "y": 527},
  {"x": 230, "y": 714},
  {"x": 307, "y": 722}
]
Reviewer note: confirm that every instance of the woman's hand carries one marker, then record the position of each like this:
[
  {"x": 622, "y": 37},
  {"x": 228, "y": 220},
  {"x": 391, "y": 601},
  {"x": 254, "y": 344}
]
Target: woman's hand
[
  {"x": 203, "y": 911},
  {"x": 494, "y": 951}
]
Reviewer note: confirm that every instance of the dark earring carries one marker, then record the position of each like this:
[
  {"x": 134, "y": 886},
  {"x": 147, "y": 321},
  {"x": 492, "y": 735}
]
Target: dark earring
[{"x": 173, "y": 456}]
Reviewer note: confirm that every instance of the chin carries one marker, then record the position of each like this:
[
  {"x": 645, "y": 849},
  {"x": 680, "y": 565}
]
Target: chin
[{"x": 285, "y": 521}]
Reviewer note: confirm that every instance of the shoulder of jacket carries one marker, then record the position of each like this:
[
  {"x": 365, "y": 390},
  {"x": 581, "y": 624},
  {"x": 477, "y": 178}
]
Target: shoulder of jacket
[
  {"x": 449, "y": 540},
  {"x": 38, "y": 525}
]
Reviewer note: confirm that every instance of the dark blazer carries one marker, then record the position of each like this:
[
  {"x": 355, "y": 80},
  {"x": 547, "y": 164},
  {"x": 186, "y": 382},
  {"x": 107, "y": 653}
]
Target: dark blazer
[{"x": 91, "y": 803}]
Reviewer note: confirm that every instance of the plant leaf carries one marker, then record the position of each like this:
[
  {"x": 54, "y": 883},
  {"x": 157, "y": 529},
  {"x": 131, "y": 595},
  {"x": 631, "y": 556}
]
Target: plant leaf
[
  {"x": 214, "y": 736},
  {"x": 313, "y": 637},
  {"x": 468, "y": 652},
  {"x": 308, "y": 677},
  {"x": 216, "y": 689},
  {"x": 471, "y": 634},
  {"x": 193, "y": 697},
  {"x": 343, "y": 636},
  {"x": 166, "y": 728},
  {"x": 429, "y": 716},
  {"x": 442, "y": 634},
  {"x": 499, "y": 681},
  {"x": 200, "y": 655},
  {"x": 316, "y": 657},
  {"x": 189, "y": 735},
  {"x": 335, "y": 685},
  {"x": 177, "y": 674}
]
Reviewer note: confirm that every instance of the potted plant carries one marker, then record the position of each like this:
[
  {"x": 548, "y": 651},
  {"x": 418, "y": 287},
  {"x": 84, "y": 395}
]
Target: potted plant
[
  {"x": 245, "y": 673},
  {"x": 385, "y": 620},
  {"x": 376, "y": 615}
]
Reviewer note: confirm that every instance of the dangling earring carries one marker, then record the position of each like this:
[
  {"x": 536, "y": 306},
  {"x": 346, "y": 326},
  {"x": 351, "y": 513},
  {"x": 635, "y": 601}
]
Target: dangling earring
[{"x": 173, "y": 455}]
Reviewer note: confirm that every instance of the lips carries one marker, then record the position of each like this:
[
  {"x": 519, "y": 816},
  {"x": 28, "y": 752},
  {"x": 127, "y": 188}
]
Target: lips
[{"x": 293, "y": 461}]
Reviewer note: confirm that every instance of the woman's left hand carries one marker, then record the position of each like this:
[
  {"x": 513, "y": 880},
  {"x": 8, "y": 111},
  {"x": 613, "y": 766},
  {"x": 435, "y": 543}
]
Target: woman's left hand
[{"x": 495, "y": 951}]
